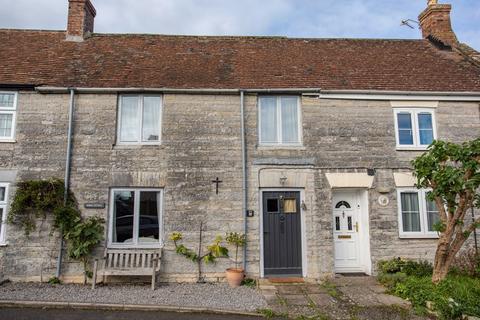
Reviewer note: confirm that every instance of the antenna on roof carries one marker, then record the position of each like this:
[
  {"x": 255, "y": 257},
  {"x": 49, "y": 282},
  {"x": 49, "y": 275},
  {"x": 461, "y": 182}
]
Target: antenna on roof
[{"x": 408, "y": 23}]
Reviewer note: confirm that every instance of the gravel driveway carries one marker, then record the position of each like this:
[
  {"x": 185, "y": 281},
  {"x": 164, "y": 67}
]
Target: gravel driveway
[{"x": 214, "y": 296}]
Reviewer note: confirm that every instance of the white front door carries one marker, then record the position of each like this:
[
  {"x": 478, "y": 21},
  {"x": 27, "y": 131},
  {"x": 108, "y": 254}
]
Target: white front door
[{"x": 346, "y": 220}]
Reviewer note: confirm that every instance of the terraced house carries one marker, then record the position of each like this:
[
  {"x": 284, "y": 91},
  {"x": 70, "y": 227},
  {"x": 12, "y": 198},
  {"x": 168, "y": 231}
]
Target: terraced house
[{"x": 303, "y": 144}]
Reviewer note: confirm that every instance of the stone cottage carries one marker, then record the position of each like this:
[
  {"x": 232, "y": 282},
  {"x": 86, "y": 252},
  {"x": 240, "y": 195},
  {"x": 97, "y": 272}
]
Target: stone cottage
[{"x": 303, "y": 144}]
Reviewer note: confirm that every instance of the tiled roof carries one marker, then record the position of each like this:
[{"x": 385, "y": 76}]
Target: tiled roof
[{"x": 160, "y": 61}]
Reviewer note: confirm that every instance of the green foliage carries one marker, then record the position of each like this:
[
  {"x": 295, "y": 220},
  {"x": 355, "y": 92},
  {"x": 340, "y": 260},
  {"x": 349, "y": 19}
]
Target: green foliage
[
  {"x": 34, "y": 199},
  {"x": 214, "y": 251},
  {"x": 237, "y": 240},
  {"x": 54, "y": 280},
  {"x": 251, "y": 283},
  {"x": 452, "y": 297},
  {"x": 405, "y": 266}
]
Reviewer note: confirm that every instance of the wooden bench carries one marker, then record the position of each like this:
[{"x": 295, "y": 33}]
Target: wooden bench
[{"x": 129, "y": 262}]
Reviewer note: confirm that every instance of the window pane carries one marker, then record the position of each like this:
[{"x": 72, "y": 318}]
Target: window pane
[
  {"x": 272, "y": 205},
  {"x": 405, "y": 133},
  {"x": 7, "y": 100},
  {"x": 148, "y": 230},
  {"x": 290, "y": 205},
  {"x": 2, "y": 194},
  {"x": 410, "y": 212},
  {"x": 123, "y": 212},
  {"x": 151, "y": 118},
  {"x": 432, "y": 214},
  {"x": 337, "y": 223},
  {"x": 268, "y": 115},
  {"x": 426, "y": 128},
  {"x": 6, "y": 125},
  {"x": 129, "y": 119},
  {"x": 289, "y": 120}
]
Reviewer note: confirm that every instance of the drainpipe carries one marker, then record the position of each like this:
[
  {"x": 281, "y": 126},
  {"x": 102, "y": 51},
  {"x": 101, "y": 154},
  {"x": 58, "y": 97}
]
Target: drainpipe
[
  {"x": 67, "y": 174},
  {"x": 244, "y": 176}
]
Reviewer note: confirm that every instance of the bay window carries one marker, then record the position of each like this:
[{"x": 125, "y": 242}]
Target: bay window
[{"x": 3, "y": 211}]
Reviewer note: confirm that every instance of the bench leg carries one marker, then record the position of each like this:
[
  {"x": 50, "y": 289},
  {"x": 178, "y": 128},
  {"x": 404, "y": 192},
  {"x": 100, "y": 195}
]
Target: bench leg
[
  {"x": 154, "y": 279},
  {"x": 95, "y": 269}
]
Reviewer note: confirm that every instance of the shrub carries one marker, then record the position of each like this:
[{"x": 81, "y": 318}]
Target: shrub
[
  {"x": 408, "y": 267},
  {"x": 390, "y": 280},
  {"x": 467, "y": 262}
]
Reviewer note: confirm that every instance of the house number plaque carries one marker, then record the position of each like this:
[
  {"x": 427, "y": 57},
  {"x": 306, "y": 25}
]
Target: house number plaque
[{"x": 95, "y": 205}]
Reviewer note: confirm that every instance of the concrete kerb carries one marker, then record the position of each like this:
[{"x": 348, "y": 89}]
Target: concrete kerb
[{"x": 118, "y": 307}]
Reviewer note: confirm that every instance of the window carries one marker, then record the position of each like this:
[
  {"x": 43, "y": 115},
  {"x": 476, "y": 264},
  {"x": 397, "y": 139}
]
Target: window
[
  {"x": 140, "y": 118},
  {"x": 8, "y": 110},
  {"x": 415, "y": 128},
  {"x": 417, "y": 214},
  {"x": 279, "y": 120},
  {"x": 135, "y": 219},
  {"x": 3, "y": 211}
]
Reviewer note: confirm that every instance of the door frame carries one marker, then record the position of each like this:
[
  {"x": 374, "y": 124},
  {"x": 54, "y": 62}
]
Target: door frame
[
  {"x": 303, "y": 236},
  {"x": 365, "y": 258}
]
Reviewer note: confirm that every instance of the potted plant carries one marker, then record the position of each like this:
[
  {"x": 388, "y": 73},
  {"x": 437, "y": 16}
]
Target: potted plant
[{"x": 235, "y": 275}]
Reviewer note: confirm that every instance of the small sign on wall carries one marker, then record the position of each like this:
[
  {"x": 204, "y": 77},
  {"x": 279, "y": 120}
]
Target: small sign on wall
[{"x": 95, "y": 205}]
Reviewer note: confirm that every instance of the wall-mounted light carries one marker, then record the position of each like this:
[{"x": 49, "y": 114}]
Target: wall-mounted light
[{"x": 304, "y": 205}]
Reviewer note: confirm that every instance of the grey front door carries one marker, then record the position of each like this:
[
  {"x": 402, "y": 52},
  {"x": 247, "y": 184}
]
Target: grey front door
[{"x": 282, "y": 240}]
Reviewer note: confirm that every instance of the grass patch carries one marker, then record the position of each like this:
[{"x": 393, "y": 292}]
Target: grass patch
[
  {"x": 270, "y": 314},
  {"x": 331, "y": 289}
]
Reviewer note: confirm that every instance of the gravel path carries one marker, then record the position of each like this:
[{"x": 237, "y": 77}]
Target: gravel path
[{"x": 215, "y": 296}]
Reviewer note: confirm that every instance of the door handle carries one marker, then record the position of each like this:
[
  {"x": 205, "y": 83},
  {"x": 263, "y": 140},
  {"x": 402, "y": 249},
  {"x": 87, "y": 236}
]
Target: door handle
[{"x": 356, "y": 226}]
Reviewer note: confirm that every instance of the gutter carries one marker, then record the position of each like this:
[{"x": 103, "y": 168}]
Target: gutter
[
  {"x": 67, "y": 174},
  {"x": 400, "y": 95},
  {"x": 48, "y": 89}
]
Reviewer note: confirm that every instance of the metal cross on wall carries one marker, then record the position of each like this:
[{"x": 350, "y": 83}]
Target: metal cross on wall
[{"x": 217, "y": 181}]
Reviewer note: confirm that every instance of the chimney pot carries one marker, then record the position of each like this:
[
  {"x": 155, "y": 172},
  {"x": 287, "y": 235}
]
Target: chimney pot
[
  {"x": 81, "y": 17},
  {"x": 436, "y": 24}
]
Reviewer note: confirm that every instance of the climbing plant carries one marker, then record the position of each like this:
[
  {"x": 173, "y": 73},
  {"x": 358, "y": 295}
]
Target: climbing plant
[
  {"x": 214, "y": 251},
  {"x": 34, "y": 199},
  {"x": 38, "y": 199}
]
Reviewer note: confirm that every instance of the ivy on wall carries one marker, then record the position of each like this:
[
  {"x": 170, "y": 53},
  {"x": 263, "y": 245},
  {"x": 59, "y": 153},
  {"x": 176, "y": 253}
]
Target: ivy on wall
[{"x": 38, "y": 199}]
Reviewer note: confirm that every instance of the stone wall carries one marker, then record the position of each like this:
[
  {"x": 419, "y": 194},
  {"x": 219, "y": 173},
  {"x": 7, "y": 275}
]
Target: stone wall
[{"x": 201, "y": 141}]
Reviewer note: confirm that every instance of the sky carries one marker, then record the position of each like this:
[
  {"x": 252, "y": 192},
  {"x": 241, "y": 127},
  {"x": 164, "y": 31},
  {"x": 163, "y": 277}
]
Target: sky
[{"x": 292, "y": 18}]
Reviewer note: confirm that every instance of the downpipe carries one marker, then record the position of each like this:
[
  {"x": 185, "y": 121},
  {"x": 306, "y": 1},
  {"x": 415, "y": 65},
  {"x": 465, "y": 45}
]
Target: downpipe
[
  {"x": 244, "y": 177},
  {"x": 67, "y": 175}
]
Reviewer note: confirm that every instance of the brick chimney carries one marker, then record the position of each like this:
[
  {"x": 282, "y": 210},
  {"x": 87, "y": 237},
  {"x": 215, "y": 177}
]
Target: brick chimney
[
  {"x": 435, "y": 23},
  {"x": 81, "y": 16}
]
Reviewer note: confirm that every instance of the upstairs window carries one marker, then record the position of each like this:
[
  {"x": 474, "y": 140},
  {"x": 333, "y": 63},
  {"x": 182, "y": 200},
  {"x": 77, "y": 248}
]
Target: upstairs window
[
  {"x": 279, "y": 120},
  {"x": 415, "y": 128},
  {"x": 140, "y": 119},
  {"x": 3, "y": 211},
  {"x": 8, "y": 112},
  {"x": 417, "y": 214}
]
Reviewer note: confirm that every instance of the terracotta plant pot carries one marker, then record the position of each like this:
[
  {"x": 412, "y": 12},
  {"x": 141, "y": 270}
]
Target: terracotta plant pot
[{"x": 235, "y": 277}]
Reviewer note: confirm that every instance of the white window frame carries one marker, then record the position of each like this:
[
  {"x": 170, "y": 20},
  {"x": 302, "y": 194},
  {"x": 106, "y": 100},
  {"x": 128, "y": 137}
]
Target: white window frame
[
  {"x": 279, "y": 123},
  {"x": 414, "y": 112},
  {"x": 140, "y": 121},
  {"x": 422, "y": 206},
  {"x": 3, "y": 221},
  {"x": 136, "y": 208},
  {"x": 13, "y": 112}
]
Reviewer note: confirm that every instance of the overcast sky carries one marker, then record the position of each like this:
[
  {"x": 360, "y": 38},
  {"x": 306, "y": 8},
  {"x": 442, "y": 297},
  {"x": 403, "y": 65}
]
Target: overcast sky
[{"x": 293, "y": 18}]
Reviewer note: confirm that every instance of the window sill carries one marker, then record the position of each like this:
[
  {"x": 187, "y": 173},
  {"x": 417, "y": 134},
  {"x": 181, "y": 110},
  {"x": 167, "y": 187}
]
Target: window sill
[
  {"x": 8, "y": 141},
  {"x": 420, "y": 236},
  {"x": 403, "y": 148},
  {"x": 3, "y": 244},
  {"x": 136, "y": 247},
  {"x": 281, "y": 147},
  {"x": 135, "y": 146}
]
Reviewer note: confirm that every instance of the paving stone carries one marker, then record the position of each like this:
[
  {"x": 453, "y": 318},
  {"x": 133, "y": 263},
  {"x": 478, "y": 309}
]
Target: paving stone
[
  {"x": 289, "y": 289},
  {"x": 321, "y": 299},
  {"x": 296, "y": 300},
  {"x": 314, "y": 289}
]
